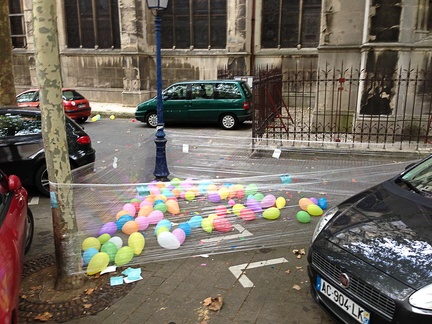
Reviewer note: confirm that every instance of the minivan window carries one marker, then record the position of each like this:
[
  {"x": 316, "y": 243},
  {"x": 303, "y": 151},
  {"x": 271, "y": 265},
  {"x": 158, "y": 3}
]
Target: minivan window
[
  {"x": 176, "y": 92},
  {"x": 202, "y": 91},
  {"x": 227, "y": 91}
]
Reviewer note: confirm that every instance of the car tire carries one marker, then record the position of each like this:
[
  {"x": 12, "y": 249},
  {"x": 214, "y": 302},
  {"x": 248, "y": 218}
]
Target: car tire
[
  {"x": 81, "y": 120},
  {"x": 30, "y": 230},
  {"x": 41, "y": 180},
  {"x": 228, "y": 121},
  {"x": 151, "y": 119}
]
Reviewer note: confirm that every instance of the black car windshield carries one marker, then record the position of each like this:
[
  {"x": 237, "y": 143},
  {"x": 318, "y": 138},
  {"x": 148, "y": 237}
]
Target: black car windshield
[{"x": 420, "y": 177}]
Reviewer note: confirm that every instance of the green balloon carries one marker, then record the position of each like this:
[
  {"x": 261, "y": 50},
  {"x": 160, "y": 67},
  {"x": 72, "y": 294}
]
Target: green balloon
[
  {"x": 124, "y": 255},
  {"x": 303, "y": 217},
  {"x": 111, "y": 249},
  {"x": 161, "y": 206}
]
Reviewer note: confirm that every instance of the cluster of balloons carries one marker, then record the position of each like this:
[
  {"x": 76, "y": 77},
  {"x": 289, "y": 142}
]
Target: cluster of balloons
[
  {"x": 158, "y": 198},
  {"x": 310, "y": 207}
]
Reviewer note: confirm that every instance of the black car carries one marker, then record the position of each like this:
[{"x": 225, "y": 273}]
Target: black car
[
  {"x": 370, "y": 260},
  {"x": 22, "y": 149}
]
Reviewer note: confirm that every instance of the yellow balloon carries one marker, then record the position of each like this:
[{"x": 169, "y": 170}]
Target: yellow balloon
[
  {"x": 207, "y": 225},
  {"x": 223, "y": 192},
  {"x": 237, "y": 208},
  {"x": 99, "y": 262},
  {"x": 212, "y": 216},
  {"x": 314, "y": 210},
  {"x": 124, "y": 255},
  {"x": 280, "y": 202},
  {"x": 189, "y": 195},
  {"x": 137, "y": 242},
  {"x": 161, "y": 229},
  {"x": 91, "y": 242},
  {"x": 271, "y": 213}
]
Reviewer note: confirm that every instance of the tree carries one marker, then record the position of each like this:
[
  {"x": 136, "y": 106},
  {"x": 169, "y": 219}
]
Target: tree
[
  {"x": 7, "y": 85},
  {"x": 67, "y": 247}
]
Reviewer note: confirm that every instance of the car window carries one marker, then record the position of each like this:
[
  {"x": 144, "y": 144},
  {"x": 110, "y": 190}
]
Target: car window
[
  {"x": 27, "y": 97},
  {"x": 3, "y": 193},
  {"x": 176, "y": 92},
  {"x": 202, "y": 91},
  {"x": 227, "y": 91},
  {"x": 72, "y": 95},
  {"x": 20, "y": 124},
  {"x": 246, "y": 89}
]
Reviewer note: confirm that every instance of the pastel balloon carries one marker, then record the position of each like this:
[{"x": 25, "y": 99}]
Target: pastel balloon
[
  {"x": 88, "y": 254},
  {"x": 160, "y": 230},
  {"x": 251, "y": 189},
  {"x": 207, "y": 225},
  {"x": 121, "y": 213},
  {"x": 247, "y": 214},
  {"x": 130, "y": 208},
  {"x": 155, "y": 216},
  {"x": 104, "y": 238},
  {"x": 271, "y": 213},
  {"x": 130, "y": 227},
  {"x": 91, "y": 242},
  {"x": 237, "y": 208},
  {"x": 145, "y": 210},
  {"x": 280, "y": 202},
  {"x": 172, "y": 206},
  {"x": 123, "y": 220},
  {"x": 143, "y": 222},
  {"x": 223, "y": 192},
  {"x": 111, "y": 249},
  {"x": 322, "y": 202},
  {"x": 189, "y": 195},
  {"x": 175, "y": 182},
  {"x": 314, "y": 200},
  {"x": 222, "y": 224},
  {"x": 180, "y": 235},
  {"x": 195, "y": 221},
  {"x": 164, "y": 223},
  {"x": 268, "y": 201},
  {"x": 259, "y": 196},
  {"x": 221, "y": 210},
  {"x": 304, "y": 202},
  {"x": 168, "y": 240},
  {"x": 186, "y": 228},
  {"x": 137, "y": 242},
  {"x": 214, "y": 197},
  {"x": 160, "y": 206},
  {"x": 254, "y": 205},
  {"x": 108, "y": 228},
  {"x": 124, "y": 255},
  {"x": 97, "y": 263},
  {"x": 303, "y": 217},
  {"x": 231, "y": 202},
  {"x": 240, "y": 193},
  {"x": 314, "y": 210},
  {"x": 117, "y": 241}
]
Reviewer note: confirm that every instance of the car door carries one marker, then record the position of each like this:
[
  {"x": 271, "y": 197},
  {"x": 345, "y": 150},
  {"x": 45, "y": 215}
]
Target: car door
[
  {"x": 29, "y": 98},
  {"x": 176, "y": 101},
  {"x": 203, "y": 106}
]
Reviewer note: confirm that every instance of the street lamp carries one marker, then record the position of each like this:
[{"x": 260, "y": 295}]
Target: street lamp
[{"x": 161, "y": 169}]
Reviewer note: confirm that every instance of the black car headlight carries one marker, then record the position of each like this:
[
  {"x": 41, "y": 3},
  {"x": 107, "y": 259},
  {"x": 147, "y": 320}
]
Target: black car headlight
[
  {"x": 325, "y": 218},
  {"x": 422, "y": 298}
]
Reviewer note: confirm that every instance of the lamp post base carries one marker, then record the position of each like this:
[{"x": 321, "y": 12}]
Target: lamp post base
[{"x": 161, "y": 172}]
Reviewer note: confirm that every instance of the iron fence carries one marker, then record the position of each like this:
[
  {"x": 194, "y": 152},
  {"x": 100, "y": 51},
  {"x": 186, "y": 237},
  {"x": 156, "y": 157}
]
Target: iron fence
[{"x": 343, "y": 107}]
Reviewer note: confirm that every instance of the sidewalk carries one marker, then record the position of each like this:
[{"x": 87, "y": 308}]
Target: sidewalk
[{"x": 108, "y": 109}]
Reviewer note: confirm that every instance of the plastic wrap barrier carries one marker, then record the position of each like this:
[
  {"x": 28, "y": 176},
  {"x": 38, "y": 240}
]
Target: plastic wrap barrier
[{"x": 220, "y": 199}]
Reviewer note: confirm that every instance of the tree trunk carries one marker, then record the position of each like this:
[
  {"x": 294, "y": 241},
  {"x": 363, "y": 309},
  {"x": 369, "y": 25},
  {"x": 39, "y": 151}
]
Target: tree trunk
[
  {"x": 67, "y": 247},
  {"x": 7, "y": 84}
]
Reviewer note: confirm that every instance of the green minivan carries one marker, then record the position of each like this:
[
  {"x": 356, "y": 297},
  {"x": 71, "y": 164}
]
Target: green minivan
[{"x": 226, "y": 102}]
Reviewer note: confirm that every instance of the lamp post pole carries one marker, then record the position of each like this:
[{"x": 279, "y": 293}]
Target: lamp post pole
[{"x": 161, "y": 169}]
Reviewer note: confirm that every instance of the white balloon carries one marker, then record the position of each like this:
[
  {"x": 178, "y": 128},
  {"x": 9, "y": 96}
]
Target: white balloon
[
  {"x": 117, "y": 241},
  {"x": 168, "y": 240}
]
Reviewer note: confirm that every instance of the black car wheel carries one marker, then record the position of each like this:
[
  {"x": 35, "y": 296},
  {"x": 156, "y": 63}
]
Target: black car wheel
[
  {"x": 228, "y": 121},
  {"x": 81, "y": 120},
  {"x": 30, "y": 230},
  {"x": 151, "y": 119},
  {"x": 41, "y": 180}
]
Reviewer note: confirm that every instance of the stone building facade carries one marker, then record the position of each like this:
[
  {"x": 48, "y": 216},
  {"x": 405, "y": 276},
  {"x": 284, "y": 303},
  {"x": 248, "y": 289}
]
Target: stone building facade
[{"x": 107, "y": 47}]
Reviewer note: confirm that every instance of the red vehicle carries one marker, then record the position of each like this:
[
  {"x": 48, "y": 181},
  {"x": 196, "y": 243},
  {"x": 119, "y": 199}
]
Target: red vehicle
[
  {"x": 16, "y": 234},
  {"x": 75, "y": 105}
]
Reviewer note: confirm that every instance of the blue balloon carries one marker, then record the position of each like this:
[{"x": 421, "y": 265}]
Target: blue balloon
[
  {"x": 123, "y": 220},
  {"x": 88, "y": 254},
  {"x": 322, "y": 202},
  {"x": 163, "y": 223},
  {"x": 186, "y": 228},
  {"x": 195, "y": 221}
]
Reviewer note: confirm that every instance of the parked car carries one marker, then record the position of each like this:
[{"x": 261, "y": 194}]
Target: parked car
[
  {"x": 75, "y": 105},
  {"x": 16, "y": 234},
  {"x": 226, "y": 102},
  {"x": 22, "y": 148},
  {"x": 370, "y": 260}
]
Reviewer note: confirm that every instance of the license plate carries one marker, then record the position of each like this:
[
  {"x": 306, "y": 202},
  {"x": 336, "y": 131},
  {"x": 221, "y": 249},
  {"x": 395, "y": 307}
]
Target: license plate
[
  {"x": 344, "y": 302},
  {"x": 81, "y": 105}
]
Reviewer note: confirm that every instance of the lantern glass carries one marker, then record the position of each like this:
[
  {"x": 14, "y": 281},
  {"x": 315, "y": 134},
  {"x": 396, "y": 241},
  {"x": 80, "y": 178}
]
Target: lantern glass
[{"x": 157, "y": 4}]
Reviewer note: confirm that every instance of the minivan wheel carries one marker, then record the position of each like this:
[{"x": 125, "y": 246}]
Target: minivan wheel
[
  {"x": 151, "y": 119},
  {"x": 30, "y": 230},
  {"x": 41, "y": 180},
  {"x": 228, "y": 121}
]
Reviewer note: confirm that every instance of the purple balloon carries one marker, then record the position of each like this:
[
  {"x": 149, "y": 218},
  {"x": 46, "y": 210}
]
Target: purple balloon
[
  {"x": 108, "y": 228},
  {"x": 214, "y": 197}
]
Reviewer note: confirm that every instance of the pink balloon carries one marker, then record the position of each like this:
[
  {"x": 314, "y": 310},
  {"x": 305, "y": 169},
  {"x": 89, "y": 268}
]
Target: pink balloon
[
  {"x": 146, "y": 203},
  {"x": 180, "y": 234},
  {"x": 222, "y": 224},
  {"x": 130, "y": 209},
  {"x": 221, "y": 210},
  {"x": 247, "y": 214},
  {"x": 155, "y": 216},
  {"x": 143, "y": 222},
  {"x": 268, "y": 201},
  {"x": 231, "y": 202}
]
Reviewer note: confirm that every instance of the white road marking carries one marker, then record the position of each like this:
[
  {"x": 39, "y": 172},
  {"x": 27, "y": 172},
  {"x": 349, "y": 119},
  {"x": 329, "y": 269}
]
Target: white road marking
[
  {"x": 34, "y": 201},
  {"x": 238, "y": 270},
  {"x": 241, "y": 229}
]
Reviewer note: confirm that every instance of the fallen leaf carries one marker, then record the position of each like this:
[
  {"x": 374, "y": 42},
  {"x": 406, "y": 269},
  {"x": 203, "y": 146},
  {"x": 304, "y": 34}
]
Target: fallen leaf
[
  {"x": 89, "y": 291},
  {"x": 296, "y": 287},
  {"x": 87, "y": 305},
  {"x": 288, "y": 271},
  {"x": 44, "y": 317},
  {"x": 213, "y": 304}
]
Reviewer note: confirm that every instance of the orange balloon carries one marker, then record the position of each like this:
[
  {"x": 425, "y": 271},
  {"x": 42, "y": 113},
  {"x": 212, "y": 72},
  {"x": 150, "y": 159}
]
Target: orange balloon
[
  {"x": 130, "y": 227},
  {"x": 121, "y": 213},
  {"x": 304, "y": 202},
  {"x": 172, "y": 206},
  {"x": 160, "y": 197},
  {"x": 145, "y": 210},
  {"x": 176, "y": 192}
]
